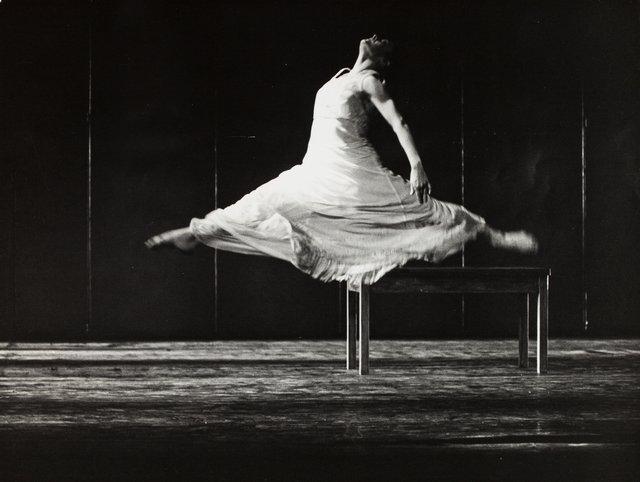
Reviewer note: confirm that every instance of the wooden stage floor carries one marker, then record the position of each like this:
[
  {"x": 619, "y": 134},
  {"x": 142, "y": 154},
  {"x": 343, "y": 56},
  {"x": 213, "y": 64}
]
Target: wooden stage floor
[{"x": 430, "y": 410}]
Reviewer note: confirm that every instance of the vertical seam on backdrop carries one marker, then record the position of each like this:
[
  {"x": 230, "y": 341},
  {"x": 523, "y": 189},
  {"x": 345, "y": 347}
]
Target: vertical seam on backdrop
[
  {"x": 216, "y": 134},
  {"x": 87, "y": 326},
  {"x": 463, "y": 301},
  {"x": 583, "y": 205}
]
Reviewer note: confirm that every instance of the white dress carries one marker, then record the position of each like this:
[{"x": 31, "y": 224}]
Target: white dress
[{"x": 340, "y": 214}]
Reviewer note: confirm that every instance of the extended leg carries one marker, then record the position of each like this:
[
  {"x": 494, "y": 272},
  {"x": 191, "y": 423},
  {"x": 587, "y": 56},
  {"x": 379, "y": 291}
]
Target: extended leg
[
  {"x": 352, "y": 314},
  {"x": 543, "y": 324},
  {"x": 521, "y": 241},
  {"x": 364, "y": 329},
  {"x": 181, "y": 239}
]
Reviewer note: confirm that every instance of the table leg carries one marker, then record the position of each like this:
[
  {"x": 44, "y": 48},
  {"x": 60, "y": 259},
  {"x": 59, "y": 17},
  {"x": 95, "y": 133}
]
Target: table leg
[
  {"x": 523, "y": 336},
  {"x": 543, "y": 324},
  {"x": 364, "y": 329},
  {"x": 352, "y": 313}
]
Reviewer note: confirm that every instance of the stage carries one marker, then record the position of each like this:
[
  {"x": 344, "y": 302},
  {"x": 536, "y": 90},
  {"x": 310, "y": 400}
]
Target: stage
[{"x": 290, "y": 411}]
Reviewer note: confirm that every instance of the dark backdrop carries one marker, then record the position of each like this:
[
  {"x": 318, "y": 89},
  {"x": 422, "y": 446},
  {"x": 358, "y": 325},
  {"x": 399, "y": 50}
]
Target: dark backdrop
[{"x": 124, "y": 118}]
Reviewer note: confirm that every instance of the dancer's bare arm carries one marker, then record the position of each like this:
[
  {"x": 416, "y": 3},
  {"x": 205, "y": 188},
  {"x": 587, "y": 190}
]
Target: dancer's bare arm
[{"x": 384, "y": 103}]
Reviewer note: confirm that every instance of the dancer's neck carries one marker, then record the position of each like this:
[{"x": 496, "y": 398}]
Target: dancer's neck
[{"x": 362, "y": 63}]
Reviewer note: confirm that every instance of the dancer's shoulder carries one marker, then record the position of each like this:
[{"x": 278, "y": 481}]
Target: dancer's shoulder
[{"x": 371, "y": 81}]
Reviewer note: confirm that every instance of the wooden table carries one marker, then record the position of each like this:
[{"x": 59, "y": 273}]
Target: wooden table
[{"x": 532, "y": 282}]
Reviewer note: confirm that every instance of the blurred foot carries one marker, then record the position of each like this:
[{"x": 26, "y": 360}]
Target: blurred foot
[
  {"x": 181, "y": 239},
  {"x": 520, "y": 241}
]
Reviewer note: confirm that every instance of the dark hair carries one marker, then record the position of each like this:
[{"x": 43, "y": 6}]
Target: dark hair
[{"x": 384, "y": 53}]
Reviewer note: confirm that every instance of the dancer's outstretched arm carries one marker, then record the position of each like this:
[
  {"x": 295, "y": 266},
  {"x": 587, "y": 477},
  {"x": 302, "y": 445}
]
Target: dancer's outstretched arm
[{"x": 384, "y": 103}]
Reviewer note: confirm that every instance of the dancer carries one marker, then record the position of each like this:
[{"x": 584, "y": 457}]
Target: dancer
[{"x": 340, "y": 214}]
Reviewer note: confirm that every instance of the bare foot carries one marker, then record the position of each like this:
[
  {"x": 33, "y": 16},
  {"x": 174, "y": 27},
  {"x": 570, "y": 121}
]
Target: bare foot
[
  {"x": 181, "y": 239},
  {"x": 521, "y": 241}
]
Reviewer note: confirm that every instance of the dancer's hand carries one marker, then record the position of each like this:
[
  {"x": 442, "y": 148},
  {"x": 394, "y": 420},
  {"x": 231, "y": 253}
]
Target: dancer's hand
[{"x": 420, "y": 183}]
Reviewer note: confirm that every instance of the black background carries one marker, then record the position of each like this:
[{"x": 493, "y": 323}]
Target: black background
[{"x": 121, "y": 119}]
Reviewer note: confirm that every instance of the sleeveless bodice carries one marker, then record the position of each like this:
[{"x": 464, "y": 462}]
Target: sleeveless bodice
[
  {"x": 341, "y": 98},
  {"x": 341, "y": 116}
]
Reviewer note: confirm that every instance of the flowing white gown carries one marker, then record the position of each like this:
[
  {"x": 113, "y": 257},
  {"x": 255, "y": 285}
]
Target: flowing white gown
[{"x": 340, "y": 214}]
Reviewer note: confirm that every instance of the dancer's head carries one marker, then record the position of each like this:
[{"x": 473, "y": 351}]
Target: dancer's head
[{"x": 377, "y": 50}]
